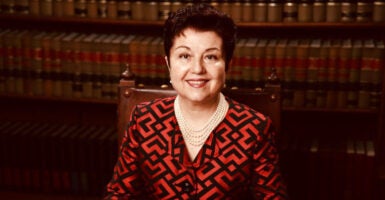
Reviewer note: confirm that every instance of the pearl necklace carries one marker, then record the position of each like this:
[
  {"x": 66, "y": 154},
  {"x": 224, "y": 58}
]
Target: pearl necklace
[{"x": 196, "y": 137}]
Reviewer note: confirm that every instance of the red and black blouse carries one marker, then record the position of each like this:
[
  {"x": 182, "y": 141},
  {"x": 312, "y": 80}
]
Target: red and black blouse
[{"x": 239, "y": 160}]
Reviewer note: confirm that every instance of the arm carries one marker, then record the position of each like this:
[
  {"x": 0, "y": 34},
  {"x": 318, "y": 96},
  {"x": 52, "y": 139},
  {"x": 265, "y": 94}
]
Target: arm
[
  {"x": 267, "y": 182},
  {"x": 125, "y": 182}
]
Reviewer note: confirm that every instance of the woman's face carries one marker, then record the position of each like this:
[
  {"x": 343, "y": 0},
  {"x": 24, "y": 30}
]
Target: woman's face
[{"x": 197, "y": 65}]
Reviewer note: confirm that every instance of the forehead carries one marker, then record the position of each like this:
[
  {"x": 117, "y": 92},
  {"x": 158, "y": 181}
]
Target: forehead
[{"x": 194, "y": 37}]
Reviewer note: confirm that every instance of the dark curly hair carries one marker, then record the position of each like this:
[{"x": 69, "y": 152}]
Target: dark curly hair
[{"x": 201, "y": 17}]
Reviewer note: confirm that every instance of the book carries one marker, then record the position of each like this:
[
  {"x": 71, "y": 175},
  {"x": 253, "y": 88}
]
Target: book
[
  {"x": 76, "y": 68},
  {"x": 137, "y": 9},
  {"x": 21, "y": 7},
  {"x": 68, "y": 8},
  {"x": 359, "y": 172},
  {"x": 270, "y": 56},
  {"x": 73, "y": 159},
  {"x": 97, "y": 74},
  {"x": 235, "y": 10},
  {"x": 350, "y": 164},
  {"x": 319, "y": 10},
  {"x": 106, "y": 57},
  {"x": 8, "y": 59},
  {"x": 53, "y": 149},
  {"x": 250, "y": 72},
  {"x": 67, "y": 63},
  {"x": 57, "y": 67},
  {"x": 312, "y": 73},
  {"x": 34, "y": 7},
  {"x": 274, "y": 11},
  {"x": 150, "y": 10},
  {"x": 47, "y": 63},
  {"x": 234, "y": 74},
  {"x": 377, "y": 75},
  {"x": 57, "y": 8},
  {"x": 300, "y": 70},
  {"x": 25, "y": 157},
  {"x": 354, "y": 74},
  {"x": 63, "y": 143},
  {"x": 290, "y": 11},
  {"x": 344, "y": 64},
  {"x": 322, "y": 74},
  {"x": 37, "y": 64},
  {"x": 134, "y": 59},
  {"x": 86, "y": 64},
  {"x": 305, "y": 11},
  {"x": 313, "y": 173},
  {"x": 370, "y": 169},
  {"x": 7, "y": 156},
  {"x": 260, "y": 11},
  {"x": 332, "y": 67},
  {"x": 46, "y": 8},
  {"x": 144, "y": 61},
  {"x": 288, "y": 79},
  {"x": 124, "y": 9},
  {"x": 366, "y": 72},
  {"x": 259, "y": 62},
  {"x": 115, "y": 66},
  {"x": 155, "y": 68},
  {"x": 279, "y": 57},
  {"x": 247, "y": 13}
]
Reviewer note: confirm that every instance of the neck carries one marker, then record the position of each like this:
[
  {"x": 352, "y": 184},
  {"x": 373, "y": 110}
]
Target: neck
[{"x": 197, "y": 111}]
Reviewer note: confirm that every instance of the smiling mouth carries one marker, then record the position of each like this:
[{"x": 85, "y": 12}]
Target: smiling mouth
[{"x": 197, "y": 83}]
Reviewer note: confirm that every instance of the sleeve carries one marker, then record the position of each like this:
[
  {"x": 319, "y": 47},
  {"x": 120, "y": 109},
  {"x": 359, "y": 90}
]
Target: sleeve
[
  {"x": 125, "y": 181},
  {"x": 267, "y": 181}
]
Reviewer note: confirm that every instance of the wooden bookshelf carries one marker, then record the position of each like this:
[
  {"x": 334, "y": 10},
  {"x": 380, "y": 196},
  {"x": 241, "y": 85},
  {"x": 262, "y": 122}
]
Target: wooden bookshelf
[{"x": 297, "y": 121}]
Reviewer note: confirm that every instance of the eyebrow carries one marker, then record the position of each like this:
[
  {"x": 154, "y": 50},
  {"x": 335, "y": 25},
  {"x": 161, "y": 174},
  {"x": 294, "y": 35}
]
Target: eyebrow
[{"x": 209, "y": 49}]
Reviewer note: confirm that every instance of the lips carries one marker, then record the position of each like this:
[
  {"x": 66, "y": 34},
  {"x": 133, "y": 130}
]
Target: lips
[{"x": 197, "y": 83}]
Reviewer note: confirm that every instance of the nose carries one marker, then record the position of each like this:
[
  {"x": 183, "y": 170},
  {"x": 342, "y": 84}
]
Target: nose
[{"x": 198, "y": 66}]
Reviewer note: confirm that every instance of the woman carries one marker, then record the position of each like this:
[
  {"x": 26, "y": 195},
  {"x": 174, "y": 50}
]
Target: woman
[{"x": 200, "y": 150}]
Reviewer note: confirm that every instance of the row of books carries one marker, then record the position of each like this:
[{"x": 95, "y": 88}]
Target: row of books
[
  {"x": 241, "y": 11},
  {"x": 320, "y": 168},
  {"x": 314, "y": 72},
  {"x": 79, "y": 159},
  {"x": 56, "y": 158}
]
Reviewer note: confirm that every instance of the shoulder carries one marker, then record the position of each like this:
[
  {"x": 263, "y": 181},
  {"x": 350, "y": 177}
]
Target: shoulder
[
  {"x": 243, "y": 109},
  {"x": 156, "y": 106}
]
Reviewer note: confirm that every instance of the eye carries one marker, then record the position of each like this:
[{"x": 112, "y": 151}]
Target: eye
[
  {"x": 211, "y": 58},
  {"x": 184, "y": 56}
]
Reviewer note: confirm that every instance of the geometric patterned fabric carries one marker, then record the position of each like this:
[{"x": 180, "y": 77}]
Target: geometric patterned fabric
[{"x": 239, "y": 159}]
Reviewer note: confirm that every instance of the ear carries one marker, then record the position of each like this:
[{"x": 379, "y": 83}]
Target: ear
[{"x": 168, "y": 64}]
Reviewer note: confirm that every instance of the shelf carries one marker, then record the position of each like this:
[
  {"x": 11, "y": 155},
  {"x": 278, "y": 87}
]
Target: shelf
[
  {"x": 332, "y": 110},
  {"x": 60, "y": 99},
  {"x": 114, "y": 102},
  {"x": 111, "y": 22}
]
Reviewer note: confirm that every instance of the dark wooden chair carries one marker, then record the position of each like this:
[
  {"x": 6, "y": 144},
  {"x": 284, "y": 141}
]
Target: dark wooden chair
[{"x": 266, "y": 100}]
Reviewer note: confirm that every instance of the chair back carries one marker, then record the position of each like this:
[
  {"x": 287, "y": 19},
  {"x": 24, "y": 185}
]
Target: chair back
[{"x": 266, "y": 100}]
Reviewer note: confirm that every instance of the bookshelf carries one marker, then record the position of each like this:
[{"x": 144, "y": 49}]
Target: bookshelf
[{"x": 309, "y": 131}]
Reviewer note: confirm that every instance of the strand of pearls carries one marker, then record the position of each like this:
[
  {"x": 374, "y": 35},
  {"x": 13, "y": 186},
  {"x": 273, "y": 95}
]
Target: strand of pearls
[{"x": 197, "y": 137}]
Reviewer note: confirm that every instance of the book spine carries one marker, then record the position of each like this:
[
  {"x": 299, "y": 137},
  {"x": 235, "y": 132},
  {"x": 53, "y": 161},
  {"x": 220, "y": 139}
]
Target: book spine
[
  {"x": 331, "y": 93},
  {"x": 46, "y": 7},
  {"x": 68, "y": 8},
  {"x": 300, "y": 74},
  {"x": 342, "y": 73},
  {"x": 354, "y": 74},
  {"x": 322, "y": 75},
  {"x": 377, "y": 75},
  {"x": 124, "y": 10},
  {"x": 365, "y": 74},
  {"x": 288, "y": 73},
  {"x": 257, "y": 62},
  {"x": 312, "y": 74}
]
